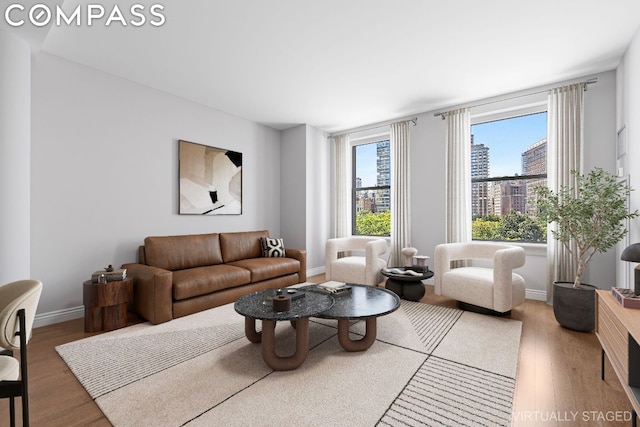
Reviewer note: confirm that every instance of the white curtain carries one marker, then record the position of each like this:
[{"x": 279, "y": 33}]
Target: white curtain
[
  {"x": 400, "y": 191},
  {"x": 458, "y": 204},
  {"x": 342, "y": 181},
  {"x": 564, "y": 154}
]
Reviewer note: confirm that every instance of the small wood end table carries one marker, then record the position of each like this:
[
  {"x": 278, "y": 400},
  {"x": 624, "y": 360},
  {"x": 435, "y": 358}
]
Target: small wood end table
[{"x": 105, "y": 304}]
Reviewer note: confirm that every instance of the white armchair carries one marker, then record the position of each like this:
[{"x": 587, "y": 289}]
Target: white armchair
[
  {"x": 494, "y": 287},
  {"x": 18, "y": 304},
  {"x": 354, "y": 268}
]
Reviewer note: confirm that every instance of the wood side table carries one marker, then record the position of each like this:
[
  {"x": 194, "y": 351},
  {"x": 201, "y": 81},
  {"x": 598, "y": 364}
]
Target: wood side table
[{"x": 105, "y": 304}]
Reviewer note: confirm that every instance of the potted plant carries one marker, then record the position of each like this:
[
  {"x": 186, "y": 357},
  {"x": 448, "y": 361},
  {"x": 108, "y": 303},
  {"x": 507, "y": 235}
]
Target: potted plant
[{"x": 590, "y": 216}]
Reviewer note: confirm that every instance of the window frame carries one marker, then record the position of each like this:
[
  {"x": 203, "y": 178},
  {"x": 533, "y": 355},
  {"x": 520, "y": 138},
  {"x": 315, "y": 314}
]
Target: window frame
[
  {"x": 359, "y": 141},
  {"x": 504, "y": 110}
]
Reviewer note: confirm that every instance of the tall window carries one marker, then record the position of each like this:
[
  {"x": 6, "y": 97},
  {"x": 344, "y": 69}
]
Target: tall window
[
  {"x": 371, "y": 214},
  {"x": 508, "y": 160}
]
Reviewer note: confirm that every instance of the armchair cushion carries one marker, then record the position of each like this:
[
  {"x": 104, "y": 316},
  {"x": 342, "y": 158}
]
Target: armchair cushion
[{"x": 353, "y": 269}]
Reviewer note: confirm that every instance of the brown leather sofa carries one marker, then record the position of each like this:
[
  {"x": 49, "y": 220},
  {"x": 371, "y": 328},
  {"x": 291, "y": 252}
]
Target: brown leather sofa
[{"x": 180, "y": 275}]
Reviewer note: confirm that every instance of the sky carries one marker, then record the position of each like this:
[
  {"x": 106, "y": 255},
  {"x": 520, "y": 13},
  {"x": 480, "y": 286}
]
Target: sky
[
  {"x": 366, "y": 164},
  {"x": 507, "y": 140}
]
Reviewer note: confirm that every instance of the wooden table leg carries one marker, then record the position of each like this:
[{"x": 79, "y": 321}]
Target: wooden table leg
[
  {"x": 357, "y": 345},
  {"x": 250, "y": 330},
  {"x": 287, "y": 363}
]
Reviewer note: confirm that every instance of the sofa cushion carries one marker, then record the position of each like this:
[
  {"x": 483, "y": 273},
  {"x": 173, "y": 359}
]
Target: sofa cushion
[
  {"x": 268, "y": 268},
  {"x": 242, "y": 245},
  {"x": 272, "y": 248},
  {"x": 180, "y": 252},
  {"x": 198, "y": 281}
]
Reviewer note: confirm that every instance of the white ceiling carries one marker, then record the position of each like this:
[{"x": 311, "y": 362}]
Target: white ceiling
[{"x": 339, "y": 64}]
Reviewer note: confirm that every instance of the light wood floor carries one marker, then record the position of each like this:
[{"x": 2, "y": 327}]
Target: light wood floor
[{"x": 558, "y": 376}]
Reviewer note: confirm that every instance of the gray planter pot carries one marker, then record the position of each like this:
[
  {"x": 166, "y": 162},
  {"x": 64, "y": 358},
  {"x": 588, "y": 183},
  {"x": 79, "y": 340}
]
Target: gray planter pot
[{"x": 575, "y": 309}]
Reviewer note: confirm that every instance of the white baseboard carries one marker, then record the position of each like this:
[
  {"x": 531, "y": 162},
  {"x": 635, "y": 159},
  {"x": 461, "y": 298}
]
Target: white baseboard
[
  {"x": 315, "y": 271},
  {"x": 536, "y": 294},
  {"x": 45, "y": 319}
]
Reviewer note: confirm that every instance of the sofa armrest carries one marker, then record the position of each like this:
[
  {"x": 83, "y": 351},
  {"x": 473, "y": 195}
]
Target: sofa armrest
[
  {"x": 301, "y": 256},
  {"x": 152, "y": 292}
]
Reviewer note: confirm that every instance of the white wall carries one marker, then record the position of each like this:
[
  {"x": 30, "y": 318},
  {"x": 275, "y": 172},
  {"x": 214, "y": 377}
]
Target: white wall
[
  {"x": 105, "y": 173},
  {"x": 318, "y": 198},
  {"x": 15, "y": 157},
  {"x": 293, "y": 178},
  {"x": 428, "y": 180},
  {"x": 628, "y": 114},
  {"x": 305, "y": 199},
  {"x": 600, "y": 151}
]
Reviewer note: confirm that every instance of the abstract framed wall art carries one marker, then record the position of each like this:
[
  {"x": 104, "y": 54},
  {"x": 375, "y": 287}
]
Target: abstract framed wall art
[{"x": 210, "y": 180}]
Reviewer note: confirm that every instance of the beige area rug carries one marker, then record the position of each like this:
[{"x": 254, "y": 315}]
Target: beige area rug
[{"x": 429, "y": 366}]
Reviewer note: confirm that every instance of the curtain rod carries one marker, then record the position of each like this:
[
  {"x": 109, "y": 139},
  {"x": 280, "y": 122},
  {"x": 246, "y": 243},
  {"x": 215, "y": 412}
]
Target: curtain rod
[
  {"x": 413, "y": 120},
  {"x": 586, "y": 82}
]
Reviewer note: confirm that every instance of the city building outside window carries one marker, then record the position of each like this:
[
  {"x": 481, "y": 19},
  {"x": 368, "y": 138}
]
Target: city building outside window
[
  {"x": 508, "y": 160},
  {"x": 371, "y": 213}
]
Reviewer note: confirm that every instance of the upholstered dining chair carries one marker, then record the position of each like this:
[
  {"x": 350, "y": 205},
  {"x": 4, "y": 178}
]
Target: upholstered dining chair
[
  {"x": 18, "y": 303},
  {"x": 360, "y": 262},
  {"x": 486, "y": 283}
]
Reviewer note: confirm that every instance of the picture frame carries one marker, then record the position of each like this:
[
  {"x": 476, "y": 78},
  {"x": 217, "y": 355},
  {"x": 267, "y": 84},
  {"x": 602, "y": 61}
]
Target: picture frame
[{"x": 210, "y": 180}]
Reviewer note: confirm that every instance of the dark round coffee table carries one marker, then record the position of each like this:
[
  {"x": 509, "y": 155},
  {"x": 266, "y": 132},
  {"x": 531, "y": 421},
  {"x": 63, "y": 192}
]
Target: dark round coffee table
[
  {"x": 259, "y": 305},
  {"x": 406, "y": 285},
  {"x": 363, "y": 302}
]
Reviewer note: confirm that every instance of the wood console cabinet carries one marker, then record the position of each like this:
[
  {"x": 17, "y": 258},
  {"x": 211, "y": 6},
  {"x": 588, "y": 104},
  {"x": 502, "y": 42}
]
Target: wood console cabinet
[
  {"x": 618, "y": 330},
  {"x": 105, "y": 304}
]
